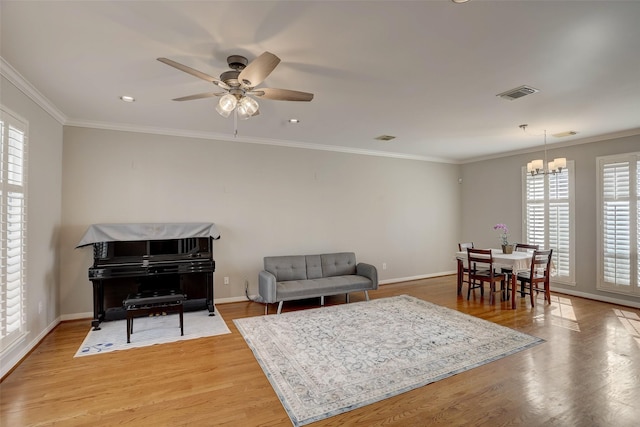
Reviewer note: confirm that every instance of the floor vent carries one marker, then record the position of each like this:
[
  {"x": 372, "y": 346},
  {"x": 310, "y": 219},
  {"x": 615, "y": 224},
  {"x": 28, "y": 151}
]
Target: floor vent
[{"x": 518, "y": 92}]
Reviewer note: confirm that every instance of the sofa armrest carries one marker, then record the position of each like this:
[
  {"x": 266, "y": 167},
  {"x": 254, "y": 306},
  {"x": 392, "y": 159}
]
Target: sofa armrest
[
  {"x": 369, "y": 271},
  {"x": 267, "y": 286}
]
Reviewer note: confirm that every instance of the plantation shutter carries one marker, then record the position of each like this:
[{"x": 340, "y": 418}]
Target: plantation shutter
[
  {"x": 535, "y": 210},
  {"x": 559, "y": 223},
  {"x": 13, "y": 230},
  {"x": 548, "y": 218},
  {"x": 619, "y": 241}
]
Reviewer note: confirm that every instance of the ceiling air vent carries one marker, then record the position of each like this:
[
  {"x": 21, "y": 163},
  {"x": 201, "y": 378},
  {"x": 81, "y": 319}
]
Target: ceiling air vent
[
  {"x": 385, "y": 138},
  {"x": 518, "y": 92}
]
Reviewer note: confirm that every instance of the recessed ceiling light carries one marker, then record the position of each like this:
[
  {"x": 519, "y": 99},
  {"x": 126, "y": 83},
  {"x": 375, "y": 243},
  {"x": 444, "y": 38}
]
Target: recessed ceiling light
[
  {"x": 460, "y": 1},
  {"x": 294, "y": 121},
  {"x": 127, "y": 98}
]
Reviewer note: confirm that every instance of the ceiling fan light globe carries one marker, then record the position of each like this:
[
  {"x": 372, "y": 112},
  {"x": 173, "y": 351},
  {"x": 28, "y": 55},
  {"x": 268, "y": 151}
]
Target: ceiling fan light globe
[
  {"x": 242, "y": 113},
  {"x": 227, "y": 103},
  {"x": 223, "y": 113},
  {"x": 250, "y": 105}
]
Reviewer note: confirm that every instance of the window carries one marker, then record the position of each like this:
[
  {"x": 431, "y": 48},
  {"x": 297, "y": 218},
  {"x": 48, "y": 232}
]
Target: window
[
  {"x": 548, "y": 208},
  {"x": 13, "y": 152},
  {"x": 619, "y": 223}
]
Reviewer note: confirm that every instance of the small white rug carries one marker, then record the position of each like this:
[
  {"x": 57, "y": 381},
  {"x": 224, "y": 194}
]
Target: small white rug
[
  {"x": 151, "y": 330},
  {"x": 326, "y": 361}
]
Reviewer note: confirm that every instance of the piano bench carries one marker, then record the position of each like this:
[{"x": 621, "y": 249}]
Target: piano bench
[{"x": 153, "y": 302}]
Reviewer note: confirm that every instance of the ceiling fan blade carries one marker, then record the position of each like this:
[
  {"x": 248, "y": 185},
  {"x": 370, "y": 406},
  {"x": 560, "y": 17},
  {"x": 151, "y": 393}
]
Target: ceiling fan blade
[
  {"x": 200, "y": 96},
  {"x": 194, "y": 72},
  {"x": 258, "y": 69},
  {"x": 282, "y": 94}
]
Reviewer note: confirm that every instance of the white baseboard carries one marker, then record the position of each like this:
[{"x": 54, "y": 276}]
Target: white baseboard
[
  {"x": 230, "y": 299},
  {"x": 422, "y": 276},
  {"x": 565, "y": 291},
  {"x": 76, "y": 316},
  {"x": 10, "y": 363},
  {"x": 600, "y": 298}
]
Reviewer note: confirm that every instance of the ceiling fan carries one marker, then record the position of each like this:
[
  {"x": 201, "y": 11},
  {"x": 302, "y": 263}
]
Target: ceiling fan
[{"x": 239, "y": 85}]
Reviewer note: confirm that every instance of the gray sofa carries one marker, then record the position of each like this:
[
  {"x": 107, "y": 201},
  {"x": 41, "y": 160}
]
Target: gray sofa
[{"x": 287, "y": 278}]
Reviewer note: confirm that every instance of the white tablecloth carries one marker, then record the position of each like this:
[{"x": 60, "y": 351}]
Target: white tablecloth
[{"x": 517, "y": 261}]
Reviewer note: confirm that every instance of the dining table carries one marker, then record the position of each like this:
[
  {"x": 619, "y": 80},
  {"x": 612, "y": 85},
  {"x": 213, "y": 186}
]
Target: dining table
[{"x": 516, "y": 261}]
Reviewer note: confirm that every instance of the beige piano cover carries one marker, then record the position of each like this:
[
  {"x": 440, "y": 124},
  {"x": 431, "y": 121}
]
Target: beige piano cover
[{"x": 147, "y": 231}]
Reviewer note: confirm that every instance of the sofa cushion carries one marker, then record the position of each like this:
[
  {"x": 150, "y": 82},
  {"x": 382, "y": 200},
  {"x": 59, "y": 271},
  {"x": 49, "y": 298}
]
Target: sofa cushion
[
  {"x": 297, "y": 289},
  {"x": 293, "y": 267},
  {"x": 338, "y": 264},
  {"x": 314, "y": 266}
]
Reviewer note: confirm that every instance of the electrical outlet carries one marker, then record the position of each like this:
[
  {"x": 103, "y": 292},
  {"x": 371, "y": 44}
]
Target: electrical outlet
[
  {"x": 40, "y": 307},
  {"x": 384, "y": 265},
  {"x": 226, "y": 280}
]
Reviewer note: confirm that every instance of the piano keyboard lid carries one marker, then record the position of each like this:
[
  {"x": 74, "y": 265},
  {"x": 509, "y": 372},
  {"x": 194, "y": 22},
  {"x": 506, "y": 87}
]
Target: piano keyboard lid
[{"x": 97, "y": 233}]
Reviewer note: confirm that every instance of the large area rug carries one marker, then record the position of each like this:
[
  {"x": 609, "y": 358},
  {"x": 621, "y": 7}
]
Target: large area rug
[
  {"x": 326, "y": 361},
  {"x": 112, "y": 335}
]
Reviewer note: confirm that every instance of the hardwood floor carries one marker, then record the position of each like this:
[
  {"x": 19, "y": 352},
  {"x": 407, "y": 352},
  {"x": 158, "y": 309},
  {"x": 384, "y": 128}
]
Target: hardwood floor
[{"x": 587, "y": 373}]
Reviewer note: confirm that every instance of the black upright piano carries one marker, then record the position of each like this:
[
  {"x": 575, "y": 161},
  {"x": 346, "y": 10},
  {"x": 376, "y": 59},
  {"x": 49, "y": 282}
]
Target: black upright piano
[{"x": 131, "y": 258}]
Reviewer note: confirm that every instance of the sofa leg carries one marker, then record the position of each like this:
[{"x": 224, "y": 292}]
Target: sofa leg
[
  {"x": 322, "y": 301},
  {"x": 266, "y": 308},
  {"x": 366, "y": 295},
  {"x": 346, "y": 298},
  {"x": 280, "y": 306}
]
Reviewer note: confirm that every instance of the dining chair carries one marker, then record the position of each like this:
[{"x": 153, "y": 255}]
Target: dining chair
[
  {"x": 477, "y": 277},
  {"x": 539, "y": 273},
  {"x": 464, "y": 246},
  {"x": 463, "y": 270},
  {"x": 520, "y": 247}
]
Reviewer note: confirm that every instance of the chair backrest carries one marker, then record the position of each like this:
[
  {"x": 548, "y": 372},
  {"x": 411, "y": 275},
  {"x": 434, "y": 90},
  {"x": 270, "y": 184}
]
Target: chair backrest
[
  {"x": 541, "y": 262},
  {"x": 463, "y": 246},
  {"x": 524, "y": 247},
  {"x": 479, "y": 256}
]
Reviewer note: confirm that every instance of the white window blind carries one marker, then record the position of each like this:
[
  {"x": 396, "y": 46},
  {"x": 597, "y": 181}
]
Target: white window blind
[
  {"x": 548, "y": 208},
  {"x": 619, "y": 219},
  {"x": 13, "y": 150}
]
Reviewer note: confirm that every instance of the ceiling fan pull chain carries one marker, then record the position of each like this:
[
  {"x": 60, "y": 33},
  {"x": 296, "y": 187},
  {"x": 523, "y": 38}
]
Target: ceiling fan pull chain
[{"x": 235, "y": 123}]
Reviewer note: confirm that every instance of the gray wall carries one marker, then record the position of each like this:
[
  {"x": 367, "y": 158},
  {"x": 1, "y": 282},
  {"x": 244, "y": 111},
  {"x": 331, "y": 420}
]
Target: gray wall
[
  {"x": 265, "y": 200},
  {"x": 44, "y": 181},
  {"x": 492, "y": 193}
]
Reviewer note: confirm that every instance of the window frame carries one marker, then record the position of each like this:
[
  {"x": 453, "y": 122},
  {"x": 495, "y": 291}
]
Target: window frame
[
  {"x": 9, "y": 120},
  {"x": 570, "y": 278},
  {"x": 633, "y": 218}
]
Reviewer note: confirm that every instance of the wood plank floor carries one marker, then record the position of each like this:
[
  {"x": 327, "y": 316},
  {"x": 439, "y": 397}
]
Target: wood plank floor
[{"x": 586, "y": 374}]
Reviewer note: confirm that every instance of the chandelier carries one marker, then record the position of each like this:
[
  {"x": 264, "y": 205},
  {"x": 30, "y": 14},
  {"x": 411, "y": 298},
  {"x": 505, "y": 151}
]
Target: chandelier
[{"x": 542, "y": 167}]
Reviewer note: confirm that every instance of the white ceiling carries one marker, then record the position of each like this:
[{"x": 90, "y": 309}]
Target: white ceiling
[{"x": 426, "y": 72}]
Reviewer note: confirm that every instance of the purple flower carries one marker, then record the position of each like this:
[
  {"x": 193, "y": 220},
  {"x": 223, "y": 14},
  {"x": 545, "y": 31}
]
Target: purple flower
[
  {"x": 504, "y": 236},
  {"x": 501, "y": 227}
]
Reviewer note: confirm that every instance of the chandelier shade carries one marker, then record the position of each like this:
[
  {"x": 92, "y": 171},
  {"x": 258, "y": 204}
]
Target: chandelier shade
[{"x": 542, "y": 167}]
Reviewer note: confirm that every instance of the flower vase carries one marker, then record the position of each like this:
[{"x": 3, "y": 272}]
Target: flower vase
[{"x": 507, "y": 249}]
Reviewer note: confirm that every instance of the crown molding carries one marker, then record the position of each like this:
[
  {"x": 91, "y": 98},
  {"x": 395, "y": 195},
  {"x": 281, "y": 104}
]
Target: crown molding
[
  {"x": 29, "y": 90},
  {"x": 249, "y": 140},
  {"x": 11, "y": 74},
  {"x": 578, "y": 141}
]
